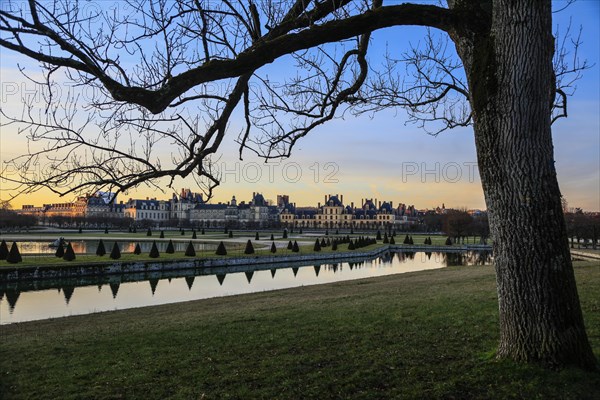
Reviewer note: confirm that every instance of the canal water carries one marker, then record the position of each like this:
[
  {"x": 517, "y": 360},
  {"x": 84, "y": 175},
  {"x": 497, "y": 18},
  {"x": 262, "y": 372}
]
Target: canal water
[
  {"x": 35, "y": 300},
  {"x": 126, "y": 246}
]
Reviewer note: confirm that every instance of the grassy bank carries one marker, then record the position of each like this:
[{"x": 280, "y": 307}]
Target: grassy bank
[
  {"x": 234, "y": 250},
  {"x": 421, "y": 335}
]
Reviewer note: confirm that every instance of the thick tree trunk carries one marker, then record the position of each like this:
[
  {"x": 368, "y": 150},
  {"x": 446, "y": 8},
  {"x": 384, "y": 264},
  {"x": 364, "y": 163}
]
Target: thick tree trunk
[{"x": 511, "y": 82}]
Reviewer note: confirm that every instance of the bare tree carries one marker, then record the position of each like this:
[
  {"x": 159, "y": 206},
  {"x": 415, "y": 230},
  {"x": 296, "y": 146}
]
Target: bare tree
[{"x": 161, "y": 73}]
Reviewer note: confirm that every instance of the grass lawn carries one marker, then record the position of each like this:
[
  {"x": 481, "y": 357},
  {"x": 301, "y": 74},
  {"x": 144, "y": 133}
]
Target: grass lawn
[
  {"x": 425, "y": 335},
  {"x": 234, "y": 249}
]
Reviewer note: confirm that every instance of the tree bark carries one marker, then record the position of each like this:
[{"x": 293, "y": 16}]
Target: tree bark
[{"x": 511, "y": 82}]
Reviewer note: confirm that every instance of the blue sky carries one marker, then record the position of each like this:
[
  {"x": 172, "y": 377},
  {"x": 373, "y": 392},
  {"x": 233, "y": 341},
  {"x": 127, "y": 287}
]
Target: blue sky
[{"x": 382, "y": 157}]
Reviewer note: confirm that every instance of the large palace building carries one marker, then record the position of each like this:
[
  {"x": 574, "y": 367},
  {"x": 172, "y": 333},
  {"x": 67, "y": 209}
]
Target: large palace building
[{"x": 190, "y": 208}]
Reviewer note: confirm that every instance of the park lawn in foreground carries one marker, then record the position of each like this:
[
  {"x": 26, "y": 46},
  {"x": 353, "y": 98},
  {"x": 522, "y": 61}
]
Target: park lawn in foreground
[{"x": 423, "y": 335}]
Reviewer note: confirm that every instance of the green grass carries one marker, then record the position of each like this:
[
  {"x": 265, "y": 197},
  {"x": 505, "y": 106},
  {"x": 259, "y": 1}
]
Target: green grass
[
  {"x": 234, "y": 250},
  {"x": 425, "y": 335}
]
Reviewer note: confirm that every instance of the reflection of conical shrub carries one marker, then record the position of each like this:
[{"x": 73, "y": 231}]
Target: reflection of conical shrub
[
  {"x": 221, "y": 251},
  {"x": 12, "y": 296},
  {"x": 249, "y": 275},
  {"x": 273, "y": 270},
  {"x": 290, "y": 245},
  {"x": 190, "y": 281},
  {"x": 114, "y": 288},
  {"x": 154, "y": 251},
  {"x": 249, "y": 248},
  {"x": 3, "y": 250},
  {"x": 60, "y": 250},
  {"x": 221, "y": 278},
  {"x": 153, "y": 285},
  {"x": 273, "y": 247},
  {"x": 101, "y": 250},
  {"x": 317, "y": 269},
  {"x": 190, "y": 251},
  {"x": 170, "y": 248},
  {"x": 137, "y": 250},
  {"x": 295, "y": 247},
  {"x": 295, "y": 270},
  {"x": 69, "y": 253},
  {"x": 115, "y": 254},
  {"x": 68, "y": 293}
]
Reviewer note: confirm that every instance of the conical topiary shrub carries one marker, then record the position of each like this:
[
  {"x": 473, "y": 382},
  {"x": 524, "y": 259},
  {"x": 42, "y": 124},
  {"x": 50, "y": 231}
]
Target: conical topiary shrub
[
  {"x": 182, "y": 232},
  {"x": 410, "y": 240},
  {"x": 256, "y": 237},
  {"x": 295, "y": 247},
  {"x": 221, "y": 251},
  {"x": 106, "y": 230},
  {"x": 190, "y": 251},
  {"x": 317, "y": 246},
  {"x": 60, "y": 250},
  {"x": 272, "y": 237},
  {"x": 115, "y": 253},
  {"x": 285, "y": 234},
  {"x": 378, "y": 237},
  {"x": 154, "y": 251},
  {"x": 323, "y": 243},
  {"x": 14, "y": 256},
  {"x": 406, "y": 240},
  {"x": 334, "y": 245},
  {"x": 351, "y": 245},
  {"x": 170, "y": 248},
  {"x": 385, "y": 238},
  {"x": 426, "y": 241},
  {"x": 3, "y": 250},
  {"x": 101, "y": 250},
  {"x": 69, "y": 253},
  {"x": 194, "y": 236},
  {"x": 202, "y": 231},
  {"x": 80, "y": 230},
  {"x": 249, "y": 248},
  {"x": 448, "y": 241},
  {"x": 162, "y": 234},
  {"x": 134, "y": 229},
  {"x": 290, "y": 245},
  {"x": 149, "y": 232},
  {"x": 230, "y": 234},
  {"x": 392, "y": 240},
  {"x": 273, "y": 248},
  {"x": 137, "y": 250}
]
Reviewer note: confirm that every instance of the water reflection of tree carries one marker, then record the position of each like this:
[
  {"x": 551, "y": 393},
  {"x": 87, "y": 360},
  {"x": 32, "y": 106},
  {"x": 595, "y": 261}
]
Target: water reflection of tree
[{"x": 467, "y": 258}]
